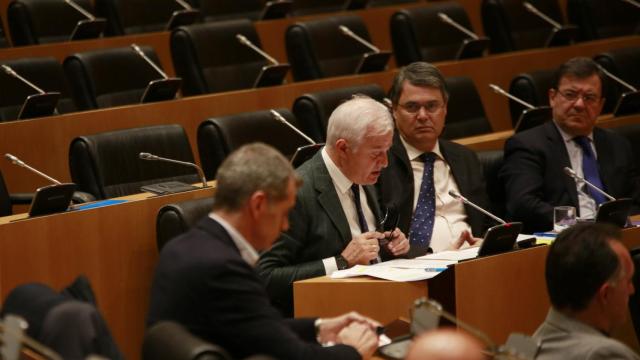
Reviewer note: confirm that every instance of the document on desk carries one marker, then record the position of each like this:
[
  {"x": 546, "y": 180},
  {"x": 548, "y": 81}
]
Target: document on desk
[
  {"x": 451, "y": 255},
  {"x": 402, "y": 270}
]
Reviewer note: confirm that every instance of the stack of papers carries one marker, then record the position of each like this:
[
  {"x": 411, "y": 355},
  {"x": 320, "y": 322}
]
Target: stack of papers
[{"x": 397, "y": 270}]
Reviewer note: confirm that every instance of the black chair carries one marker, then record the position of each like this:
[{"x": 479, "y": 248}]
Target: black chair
[
  {"x": 511, "y": 27},
  {"x": 34, "y": 22},
  {"x": 313, "y": 109},
  {"x": 308, "y": 7},
  {"x": 175, "y": 219},
  {"x": 210, "y": 59},
  {"x": 532, "y": 87},
  {"x": 217, "y": 10},
  {"x": 465, "y": 113},
  {"x": 110, "y": 77},
  {"x": 46, "y": 73},
  {"x": 622, "y": 63},
  {"x": 417, "y": 34},
  {"x": 126, "y": 17},
  {"x": 318, "y": 49},
  {"x": 634, "y": 299},
  {"x": 107, "y": 165},
  {"x": 7, "y": 200},
  {"x": 171, "y": 341},
  {"x": 599, "y": 19},
  {"x": 492, "y": 161},
  {"x": 3, "y": 39},
  {"x": 218, "y": 137}
]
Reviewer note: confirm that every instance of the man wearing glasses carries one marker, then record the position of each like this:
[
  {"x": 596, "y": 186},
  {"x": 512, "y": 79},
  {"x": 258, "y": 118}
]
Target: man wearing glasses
[
  {"x": 534, "y": 159},
  {"x": 423, "y": 168}
]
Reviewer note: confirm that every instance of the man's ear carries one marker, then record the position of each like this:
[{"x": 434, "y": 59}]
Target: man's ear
[
  {"x": 604, "y": 294},
  {"x": 341, "y": 147},
  {"x": 257, "y": 203}
]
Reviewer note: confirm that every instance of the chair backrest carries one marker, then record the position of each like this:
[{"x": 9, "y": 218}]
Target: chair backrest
[
  {"x": 175, "y": 219},
  {"x": 622, "y": 63},
  {"x": 308, "y": 7},
  {"x": 218, "y": 137},
  {"x": 110, "y": 77},
  {"x": 5, "y": 201},
  {"x": 492, "y": 161},
  {"x": 3, "y": 38},
  {"x": 465, "y": 113},
  {"x": 171, "y": 341},
  {"x": 135, "y": 16},
  {"x": 318, "y": 49},
  {"x": 210, "y": 59},
  {"x": 107, "y": 164},
  {"x": 511, "y": 27},
  {"x": 313, "y": 109},
  {"x": 43, "y": 21},
  {"x": 532, "y": 87},
  {"x": 46, "y": 73},
  {"x": 418, "y": 34},
  {"x": 216, "y": 10},
  {"x": 599, "y": 19}
]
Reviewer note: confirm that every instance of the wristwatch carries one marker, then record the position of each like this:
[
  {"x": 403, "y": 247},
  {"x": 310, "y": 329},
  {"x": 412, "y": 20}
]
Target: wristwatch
[{"x": 342, "y": 262}]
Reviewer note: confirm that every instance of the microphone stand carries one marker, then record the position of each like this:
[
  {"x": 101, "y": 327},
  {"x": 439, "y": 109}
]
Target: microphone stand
[
  {"x": 457, "y": 196},
  {"x": 14, "y": 160},
  {"x": 531, "y": 116},
  {"x": 9, "y": 71},
  {"x": 560, "y": 35},
  {"x": 280, "y": 118},
  {"x": 139, "y": 51},
  {"x": 346, "y": 31},
  {"x": 151, "y": 157},
  {"x": 569, "y": 171}
]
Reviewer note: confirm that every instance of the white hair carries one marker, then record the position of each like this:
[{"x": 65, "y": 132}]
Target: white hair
[{"x": 356, "y": 118}]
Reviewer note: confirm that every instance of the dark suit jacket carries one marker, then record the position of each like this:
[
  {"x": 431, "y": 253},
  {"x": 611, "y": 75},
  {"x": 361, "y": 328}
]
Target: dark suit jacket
[
  {"x": 319, "y": 229},
  {"x": 396, "y": 185},
  {"x": 535, "y": 181},
  {"x": 203, "y": 283}
]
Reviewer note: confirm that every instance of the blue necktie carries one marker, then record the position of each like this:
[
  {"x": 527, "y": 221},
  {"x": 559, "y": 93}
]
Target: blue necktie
[
  {"x": 590, "y": 168},
  {"x": 425, "y": 213},
  {"x": 355, "y": 188}
]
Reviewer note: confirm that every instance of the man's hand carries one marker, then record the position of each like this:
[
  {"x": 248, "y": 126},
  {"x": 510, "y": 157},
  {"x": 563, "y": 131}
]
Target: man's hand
[
  {"x": 361, "y": 337},
  {"x": 465, "y": 236},
  {"x": 331, "y": 327},
  {"x": 399, "y": 244},
  {"x": 362, "y": 248}
]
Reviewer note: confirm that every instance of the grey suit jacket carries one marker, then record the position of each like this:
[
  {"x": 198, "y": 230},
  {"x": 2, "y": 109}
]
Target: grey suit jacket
[
  {"x": 563, "y": 338},
  {"x": 318, "y": 229}
]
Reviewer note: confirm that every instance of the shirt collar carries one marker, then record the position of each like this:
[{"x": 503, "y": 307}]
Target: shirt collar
[
  {"x": 339, "y": 179},
  {"x": 414, "y": 153},
  {"x": 567, "y": 137},
  {"x": 247, "y": 252},
  {"x": 563, "y": 321}
]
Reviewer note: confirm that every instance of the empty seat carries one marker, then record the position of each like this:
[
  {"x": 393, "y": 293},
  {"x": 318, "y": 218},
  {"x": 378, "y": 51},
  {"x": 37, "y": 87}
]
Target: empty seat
[
  {"x": 307, "y": 7},
  {"x": 107, "y": 165},
  {"x": 465, "y": 113},
  {"x": 110, "y": 77},
  {"x": 511, "y": 27},
  {"x": 533, "y": 88},
  {"x": 168, "y": 340},
  {"x": 136, "y": 16},
  {"x": 218, "y": 137},
  {"x": 313, "y": 109},
  {"x": 46, "y": 73},
  {"x": 599, "y": 19},
  {"x": 622, "y": 63},
  {"x": 216, "y": 10},
  {"x": 175, "y": 219},
  {"x": 209, "y": 57},
  {"x": 318, "y": 49},
  {"x": 43, "y": 21},
  {"x": 418, "y": 34}
]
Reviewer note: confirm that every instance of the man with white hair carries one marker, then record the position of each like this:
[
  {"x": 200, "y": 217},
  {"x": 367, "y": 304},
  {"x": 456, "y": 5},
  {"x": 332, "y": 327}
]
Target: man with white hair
[{"x": 334, "y": 223}]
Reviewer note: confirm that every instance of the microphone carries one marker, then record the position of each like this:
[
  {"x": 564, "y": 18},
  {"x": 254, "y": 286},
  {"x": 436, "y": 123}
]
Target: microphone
[
  {"x": 81, "y": 10},
  {"x": 184, "y": 4},
  {"x": 446, "y": 19},
  {"x": 347, "y": 32},
  {"x": 532, "y": 9},
  {"x": 151, "y": 157},
  {"x": 7, "y": 69},
  {"x": 499, "y": 90},
  {"x": 633, "y": 2},
  {"x": 138, "y": 51},
  {"x": 457, "y": 196},
  {"x": 615, "y": 78},
  {"x": 569, "y": 171},
  {"x": 280, "y": 118},
  {"x": 244, "y": 41},
  {"x": 15, "y": 161}
]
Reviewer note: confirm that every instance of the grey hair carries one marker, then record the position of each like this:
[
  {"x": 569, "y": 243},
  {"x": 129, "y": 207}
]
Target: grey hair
[
  {"x": 356, "y": 118},
  {"x": 418, "y": 74}
]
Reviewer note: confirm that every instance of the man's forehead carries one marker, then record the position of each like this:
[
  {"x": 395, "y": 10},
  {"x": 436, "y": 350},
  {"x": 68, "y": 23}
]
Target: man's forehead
[{"x": 589, "y": 82}]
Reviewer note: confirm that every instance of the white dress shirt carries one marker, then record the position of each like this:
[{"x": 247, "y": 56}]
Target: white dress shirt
[{"x": 247, "y": 252}]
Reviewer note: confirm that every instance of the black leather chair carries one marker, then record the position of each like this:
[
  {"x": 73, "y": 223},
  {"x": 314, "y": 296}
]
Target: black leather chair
[
  {"x": 511, "y": 27},
  {"x": 3, "y": 39},
  {"x": 126, "y": 17},
  {"x": 308, "y": 7},
  {"x": 218, "y": 137},
  {"x": 46, "y": 73},
  {"x": 313, "y": 109},
  {"x": 217, "y": 10},
  {"x": 318, "y": 49},
  {"x": 417, "y": 34},
  {"x": 43, "y": 21},
  {"x": 171, "y": 341},
  {"x": 110, "y": 77},
  {"x": 492, "y": 161},
  {"x": 175, "y": 219},
  {"x": 465, "y": 113},
  {"x": 622, "y": 63},
  {"x": 599, "y": 19},
  {"x": 107, "y": 165},
  {"x": 210, "y": 59},
  {"x": 532, "y": 87}
]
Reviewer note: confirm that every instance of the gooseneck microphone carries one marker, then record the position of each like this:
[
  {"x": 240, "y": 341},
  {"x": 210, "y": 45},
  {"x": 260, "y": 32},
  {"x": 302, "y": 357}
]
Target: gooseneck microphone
[
  {"x": 457, "y": 196},
  {"x": 81, "y": 10},
  {"x": 447, "y": 20},
  {"x": 633, "y": 2},
  {"x": 347, "y": 32},
  {"x": 569, "y": 171},
  {"x": 7, "y": 69},
  {"x": 532, "y": 9},
  {"x": 499, "y": 90},
  {"x": 151, "y": 157},
  {"x": 184, "y": 4},
  {"x": 615, "y": 78},
  {"x": 280, "y": 118},
  {"x": 139, "y": 51},
  {"x": 15, "y": 161},
  {"x": 246, "y": 42}
]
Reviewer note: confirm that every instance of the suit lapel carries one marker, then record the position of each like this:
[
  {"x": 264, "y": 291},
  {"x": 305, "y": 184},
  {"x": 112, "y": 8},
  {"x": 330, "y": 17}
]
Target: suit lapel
[
  {"x": 400, "y": 153},
  {"x": 555, "y": 142},
  {"x": 372, "y": 202},
  {"x": 456, "y": 164}
]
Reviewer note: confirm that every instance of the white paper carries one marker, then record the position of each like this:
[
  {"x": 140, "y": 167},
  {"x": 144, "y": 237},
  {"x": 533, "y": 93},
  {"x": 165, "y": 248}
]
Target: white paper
[
  {"x": 388, "y": 273},
  {"x": 453, "y": 255},
  {"x": 416, "y": 263}
]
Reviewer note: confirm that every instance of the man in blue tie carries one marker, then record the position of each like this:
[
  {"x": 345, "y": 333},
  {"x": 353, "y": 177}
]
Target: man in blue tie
[{"x": 534, "y": 159}]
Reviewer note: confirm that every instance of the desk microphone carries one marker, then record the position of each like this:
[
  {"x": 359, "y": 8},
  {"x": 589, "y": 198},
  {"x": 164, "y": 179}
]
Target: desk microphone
[
  {"x": 569, "y": 171},
  {"x": 184, "y": 4},
  {"x": 280, "y": 118},
  {"x": 80, "y": 9},
  {"x": 7, "y": 69},
  {"x": 633, "y": 2},
  {"x": 615, "y": 78},
  {"x": 532, "y": 9},
  {"x": 151, "y": 157},
  {"x": 15, "y": 161},
  {"x": 457, "y": 196},
  {"x": 447, "y": 20},
  {"x": 499, "y": 90},
  {"x": 139, "y": 51},
  {"x": 347, "y": 32},
  {"x": 246, "y": 42}
]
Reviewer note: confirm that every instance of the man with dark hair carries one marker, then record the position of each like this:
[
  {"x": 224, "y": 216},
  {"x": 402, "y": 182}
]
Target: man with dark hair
[
  {"x": 589, "y": 276},
  {"x": 423, "y": 168},
  {"x": 205, "y": 279},
  {"x": 535, "y": 159}
]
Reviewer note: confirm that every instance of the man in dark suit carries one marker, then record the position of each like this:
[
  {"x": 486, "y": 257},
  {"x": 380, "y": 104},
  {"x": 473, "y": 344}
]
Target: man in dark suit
[
  {"x": 205, "y": 279},
  {"x": 334, "y": 222},
  {"x": 423, "y": 168},
  {"x": 534, "y": 159}
]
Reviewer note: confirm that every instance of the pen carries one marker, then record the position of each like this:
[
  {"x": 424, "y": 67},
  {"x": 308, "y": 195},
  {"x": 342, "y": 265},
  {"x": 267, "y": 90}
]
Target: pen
[{"x": 434, "y": 269}]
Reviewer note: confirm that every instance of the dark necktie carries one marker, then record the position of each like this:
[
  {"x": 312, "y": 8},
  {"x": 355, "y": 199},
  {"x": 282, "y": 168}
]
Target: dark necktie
[
  {"x": 425, "y": 213},
  {"x": 355, "y": 188},
  {"x": 590, "y": 169}
]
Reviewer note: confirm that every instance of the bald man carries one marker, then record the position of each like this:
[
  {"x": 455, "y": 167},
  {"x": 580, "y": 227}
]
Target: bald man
[{"x": 446, "y": 344}]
